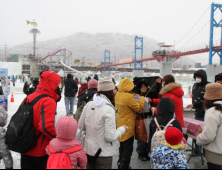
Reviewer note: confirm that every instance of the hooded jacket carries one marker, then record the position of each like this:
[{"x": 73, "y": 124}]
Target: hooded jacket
[
  {"x": 127, "y": 107},
  {"x": 85, "y": 97},
  {"x": 44, "y": 111},
  {"x": 4, "y": 151},
  {"x": 98, "y": 121},
  {"x": 175, "y": 93},
  {"x": 82, "y": 89},
  {"x": 66, "y": 129},
  {"x": 211, "y": 135},
  {"x": 199, "y": 92},
  {"x": 71, "y": 87},
  {"x": 165, "y": 113},
  {"x": 96, "y": 77}
]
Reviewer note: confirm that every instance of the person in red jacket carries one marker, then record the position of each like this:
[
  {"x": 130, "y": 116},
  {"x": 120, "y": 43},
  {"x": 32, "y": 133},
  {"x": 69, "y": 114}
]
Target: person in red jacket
[
  {"x": 83, "y": 87},
  {"x": 44, "y": 112},
  {"x": 173, "y": 91}
]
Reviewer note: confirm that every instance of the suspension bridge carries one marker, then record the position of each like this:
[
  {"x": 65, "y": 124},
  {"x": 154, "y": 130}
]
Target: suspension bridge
[{"x": 204, "y": 36}]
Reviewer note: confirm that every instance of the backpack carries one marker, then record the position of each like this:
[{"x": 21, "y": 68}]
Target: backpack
[
  {"x": 20, "y": 136},
  {"x": 159, "y": 135},
  {"x": 78, "y": 113},
  {"x": 61, "y": 160}
]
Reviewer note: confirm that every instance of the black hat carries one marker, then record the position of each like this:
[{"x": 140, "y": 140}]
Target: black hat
[
  {"x": 148, "y": 81},
  {"x": 218, "y": 77}
]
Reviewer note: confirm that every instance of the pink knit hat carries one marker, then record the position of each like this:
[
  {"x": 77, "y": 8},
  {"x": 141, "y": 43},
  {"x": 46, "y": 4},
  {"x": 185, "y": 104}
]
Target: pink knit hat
[{"x": 93, "y": 84}]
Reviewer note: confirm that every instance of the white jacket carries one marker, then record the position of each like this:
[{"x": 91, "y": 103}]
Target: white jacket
[
  {"x": 211, "y": 137},
  {"x": 99, "y": 122}
]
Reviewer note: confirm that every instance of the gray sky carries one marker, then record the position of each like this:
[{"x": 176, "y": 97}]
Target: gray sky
[{"x": 162, "y": 20}]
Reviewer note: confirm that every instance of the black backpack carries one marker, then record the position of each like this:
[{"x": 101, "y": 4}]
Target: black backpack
[{"x": 20, "y": 136}]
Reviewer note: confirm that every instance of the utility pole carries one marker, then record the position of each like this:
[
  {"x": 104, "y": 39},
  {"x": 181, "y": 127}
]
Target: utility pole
[{"x": 6, "y": 52}]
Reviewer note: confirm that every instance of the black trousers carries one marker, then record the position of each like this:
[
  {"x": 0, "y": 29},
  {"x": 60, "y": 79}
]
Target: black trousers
[
  {"x": 213, "y": 166},
  {"x": 30, "y": 162},
  {"x": 125, "y": 153}
]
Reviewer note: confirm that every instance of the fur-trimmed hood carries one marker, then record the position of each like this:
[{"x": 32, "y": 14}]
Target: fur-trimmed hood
[{"x": 174, "y": 88}]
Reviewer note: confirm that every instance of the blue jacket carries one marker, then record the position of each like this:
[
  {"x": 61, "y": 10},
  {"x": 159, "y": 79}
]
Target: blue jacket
[{"x": 164, "y": 157}]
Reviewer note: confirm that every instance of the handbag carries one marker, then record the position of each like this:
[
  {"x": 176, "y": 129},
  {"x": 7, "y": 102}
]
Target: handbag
[{"x": 141, "y": 132}]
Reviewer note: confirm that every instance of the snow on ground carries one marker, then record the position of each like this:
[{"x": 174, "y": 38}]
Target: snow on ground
[{"x": 19, "y": 97}]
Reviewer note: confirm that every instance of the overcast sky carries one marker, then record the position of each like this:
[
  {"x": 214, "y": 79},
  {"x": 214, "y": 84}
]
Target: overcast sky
[{"x": 162, "y": 20}]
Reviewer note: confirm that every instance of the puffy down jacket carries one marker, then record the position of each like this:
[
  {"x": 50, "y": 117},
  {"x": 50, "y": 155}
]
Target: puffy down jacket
[{"x": 66, "y": 129}]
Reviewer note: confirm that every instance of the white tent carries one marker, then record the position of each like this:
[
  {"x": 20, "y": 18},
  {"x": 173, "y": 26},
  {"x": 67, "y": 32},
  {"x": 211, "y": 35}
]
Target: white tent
[
  {"x": 89, "y": 73},
  {"x": 153, "y": 74},
  {"x": 99, "y": 73},
  {"x": 61, "y": 73}
]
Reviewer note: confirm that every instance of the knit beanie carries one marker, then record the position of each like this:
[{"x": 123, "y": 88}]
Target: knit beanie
[
  {"x": 93, "y": 84},
  {"x": 168, "y": 79},
  {"x": 213, "y": 91},
  {"x": 106, "y": 84},
  {"x": 173, "y": 136}
]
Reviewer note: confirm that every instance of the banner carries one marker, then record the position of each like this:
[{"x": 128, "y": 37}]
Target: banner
[{"x": 4, "y": 87}]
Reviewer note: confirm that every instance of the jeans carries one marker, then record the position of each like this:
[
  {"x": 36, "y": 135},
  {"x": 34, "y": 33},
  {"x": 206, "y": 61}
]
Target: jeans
[
  {"x": 143, "y": 147},
  {"x": 31, "y": 162},
  {"x": 125, "y": 153},
  {"x": 69, "y": 102},
  {"x": 200, "y": 148}
]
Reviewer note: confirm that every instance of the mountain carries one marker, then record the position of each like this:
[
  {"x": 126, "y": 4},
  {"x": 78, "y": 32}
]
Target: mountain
[{"x": 92, "y": 47}]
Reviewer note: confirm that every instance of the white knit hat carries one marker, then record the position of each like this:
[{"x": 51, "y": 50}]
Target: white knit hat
[{"x": 106, "y": 84}]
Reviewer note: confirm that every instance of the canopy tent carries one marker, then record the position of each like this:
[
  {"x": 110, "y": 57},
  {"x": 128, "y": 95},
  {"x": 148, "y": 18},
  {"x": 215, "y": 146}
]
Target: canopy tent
[
  {"x": 61, "y": 73},
  {"x": 99, "y": 73},
  {"x": 89, "y": 73}
]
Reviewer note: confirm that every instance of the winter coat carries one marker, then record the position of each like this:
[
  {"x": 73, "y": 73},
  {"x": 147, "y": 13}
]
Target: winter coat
[
  {"x": 71, "y": 87},
  {"x": 78, "y": 113},
  {"x": 99, "y": 122},
  {"x": 199, "y": 92},
  {"x": 4, "y": 151},
  {"x": 127, "y": 107},
  {"x": 82, "y": 89},
  {"x": 44, "y": 112},
  {"x": 165, "y": 113},
  {"x": 164, "y": 157},
  {"x": 175, "y": 93},
  {"x": 28, "y": 90},
  {"x": 211, "y": 135},
  {"x": 96, "y": 77},
  {"x": 65, "y": 139},
  {"x": 85, "y": 97}
]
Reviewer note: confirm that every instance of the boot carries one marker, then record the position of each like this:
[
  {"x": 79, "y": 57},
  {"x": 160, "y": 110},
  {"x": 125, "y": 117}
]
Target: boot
[
  {"x": 142, "y": 157},
  {"x": 124, "y": 164},
  {"x": 147, "y": 156}
]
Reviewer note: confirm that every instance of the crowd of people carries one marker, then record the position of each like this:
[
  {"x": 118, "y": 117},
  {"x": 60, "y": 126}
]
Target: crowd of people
[{"x": 106, "y": 115}]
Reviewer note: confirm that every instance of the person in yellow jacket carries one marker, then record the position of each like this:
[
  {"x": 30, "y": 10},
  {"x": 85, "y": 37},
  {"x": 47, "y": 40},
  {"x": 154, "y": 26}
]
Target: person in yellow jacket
[{"x": 127, "y": 107}]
